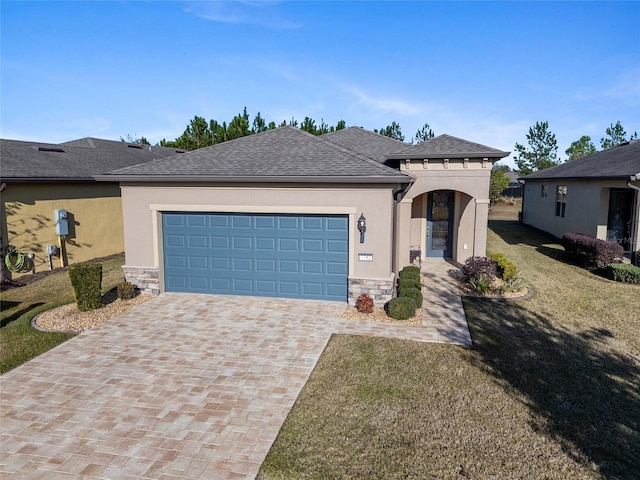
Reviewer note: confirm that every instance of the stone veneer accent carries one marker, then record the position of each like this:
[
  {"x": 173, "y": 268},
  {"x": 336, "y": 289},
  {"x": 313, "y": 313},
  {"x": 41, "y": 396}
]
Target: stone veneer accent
[
  {"x": 381, "y": 289},
  {"x": 146, "y": 279}
]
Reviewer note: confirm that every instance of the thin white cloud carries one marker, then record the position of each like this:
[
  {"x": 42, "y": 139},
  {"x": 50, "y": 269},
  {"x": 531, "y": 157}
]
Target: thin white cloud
[
  {"x": 626, "y": 86},
  {"x": 264, "y": 13},
  {"x": 381, "y": 105}
]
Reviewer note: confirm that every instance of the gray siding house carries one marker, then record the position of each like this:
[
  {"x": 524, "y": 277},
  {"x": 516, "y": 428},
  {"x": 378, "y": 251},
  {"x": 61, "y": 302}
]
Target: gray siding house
[{"x": 597, "y": 195}]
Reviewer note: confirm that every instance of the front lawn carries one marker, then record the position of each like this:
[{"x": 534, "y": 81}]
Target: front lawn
[
  {"x": 550, "y": 389},
  {"x": 20, "y": 342}
]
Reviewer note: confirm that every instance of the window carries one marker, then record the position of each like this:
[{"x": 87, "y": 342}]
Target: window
[
  {"x": 561, "y": 200},
  {"x": 544, "y": 190}
]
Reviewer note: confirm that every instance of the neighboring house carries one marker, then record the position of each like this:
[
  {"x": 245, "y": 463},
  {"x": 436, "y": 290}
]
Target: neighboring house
[
  {"x": 597, "y": 195},
  {"x": 39, "y": 178},
  {"x": 514, "y": 190},
  {"x": 276, "y": 213}
]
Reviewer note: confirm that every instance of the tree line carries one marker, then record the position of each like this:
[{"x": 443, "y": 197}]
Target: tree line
[
  {"x": 542, "y": 151},
  {"x": 202, "y": 133}
]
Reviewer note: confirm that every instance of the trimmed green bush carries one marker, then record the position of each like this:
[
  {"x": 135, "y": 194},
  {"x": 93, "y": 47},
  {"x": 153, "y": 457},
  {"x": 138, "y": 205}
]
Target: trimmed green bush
[
  {"x": 621, "y": 272},
  {"x": 409, "y": 283},
  {"x": 410, "y": 269},
  {"x": 400, "y": 308},
  {"x": 412, "y": 293},
  {"x": 506, "y": 269},
  {"x": 126, "y": 290},
  {"x": 87, "y": 284}
]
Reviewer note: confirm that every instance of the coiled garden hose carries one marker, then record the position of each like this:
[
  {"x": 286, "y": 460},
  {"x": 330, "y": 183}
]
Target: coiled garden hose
[{"x": 14, "y": 260}]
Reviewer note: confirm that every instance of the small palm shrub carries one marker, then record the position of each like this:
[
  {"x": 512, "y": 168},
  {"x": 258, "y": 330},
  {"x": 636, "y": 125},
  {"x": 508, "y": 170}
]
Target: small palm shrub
[
  {"x": 400, "y": 308},
  {"x": 364, "y": 303},
  {"x": 481, "y": 285},
  {"x": 126, "y": 290}
]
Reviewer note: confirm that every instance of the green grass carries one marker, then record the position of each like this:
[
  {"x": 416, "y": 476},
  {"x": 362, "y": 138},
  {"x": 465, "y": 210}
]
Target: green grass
[
  {"x": 19, "y": 342},
  {"x": 550, "y": 389}
]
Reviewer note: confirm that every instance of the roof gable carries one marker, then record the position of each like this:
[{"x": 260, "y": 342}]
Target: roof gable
[
  {"x": 76, "y": 160},
  {"x": 447, "y": 146},
  {"x": 283, "y": 153},
  {"x": 621, "y": 162}
]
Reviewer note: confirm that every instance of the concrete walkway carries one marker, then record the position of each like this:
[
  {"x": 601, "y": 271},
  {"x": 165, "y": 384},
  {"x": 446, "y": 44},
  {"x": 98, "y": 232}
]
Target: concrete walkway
[{"x": 181, "y": 387}]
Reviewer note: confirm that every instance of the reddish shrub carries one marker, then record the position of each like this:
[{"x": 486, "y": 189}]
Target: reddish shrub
[
  {"x": 591, "y": 253},
  {"x": 479, "y": 267},
  {"x": 364, "y": 304}
]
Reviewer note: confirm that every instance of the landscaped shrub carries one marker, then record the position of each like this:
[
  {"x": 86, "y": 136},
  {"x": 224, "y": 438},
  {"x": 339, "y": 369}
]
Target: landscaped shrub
[
  {"x": 506, "y": 269},
  {"x": 126, "y": 290},
  {"x": 481, "y": 285},
  {"x": 621, "y": 272},
  {"x": 412, "y": 293},
  {"x": 87, "y": 283},
  {"x": 364, "y": 304},
  {"x": 591, "y": 253},
  {"x": 409, "y": 283},
  {"x": 476, "y": 267},
  {"x": 410, "y": 269},
  {"x": 400, "y": 308}
]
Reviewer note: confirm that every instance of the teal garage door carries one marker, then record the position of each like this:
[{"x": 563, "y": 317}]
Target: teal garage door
[{"x": 292, "y": 256}]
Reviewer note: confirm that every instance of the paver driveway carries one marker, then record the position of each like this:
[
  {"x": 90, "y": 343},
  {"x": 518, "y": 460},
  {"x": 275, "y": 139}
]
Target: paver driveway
[{"x": 184, "y": 386}]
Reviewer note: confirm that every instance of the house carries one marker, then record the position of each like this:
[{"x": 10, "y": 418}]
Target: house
[
  {"x": 597, "y": 195},
  {"x": 39, "y": 179},
  {"x": 514, "y": 190},
  {"x": 285, "y": 213}
]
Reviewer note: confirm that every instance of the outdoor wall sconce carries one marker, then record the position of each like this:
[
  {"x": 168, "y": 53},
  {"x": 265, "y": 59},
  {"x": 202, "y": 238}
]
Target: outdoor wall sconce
[{"x": 362, "y": 226}]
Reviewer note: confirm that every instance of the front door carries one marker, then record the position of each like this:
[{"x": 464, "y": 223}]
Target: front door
[
  {"x": 619, "y": 219},
  {"x": 439, "y": 223}
]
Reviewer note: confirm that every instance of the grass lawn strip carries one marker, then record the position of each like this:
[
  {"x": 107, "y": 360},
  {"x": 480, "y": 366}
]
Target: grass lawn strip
[
  {"x": 19, "y": 341},
  {"x": 550, "y": 388}
]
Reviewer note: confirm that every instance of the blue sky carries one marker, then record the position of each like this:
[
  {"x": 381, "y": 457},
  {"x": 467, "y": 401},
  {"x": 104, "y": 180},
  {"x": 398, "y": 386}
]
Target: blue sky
[{"x": 483, "y": 71}]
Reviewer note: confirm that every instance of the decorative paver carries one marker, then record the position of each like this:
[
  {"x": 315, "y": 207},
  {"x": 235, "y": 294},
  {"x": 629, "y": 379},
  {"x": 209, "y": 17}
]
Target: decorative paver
[{"x": 184, "y": 386}]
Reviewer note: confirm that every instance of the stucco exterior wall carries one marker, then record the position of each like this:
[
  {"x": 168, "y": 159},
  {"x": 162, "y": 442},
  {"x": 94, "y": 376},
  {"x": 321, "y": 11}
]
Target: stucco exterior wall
[
  {"x": 143, "y": 206},
  {"x": 469, "y": 179},
  {"x": 586, "y": 208},
  {"x": 95, "y": 220}
]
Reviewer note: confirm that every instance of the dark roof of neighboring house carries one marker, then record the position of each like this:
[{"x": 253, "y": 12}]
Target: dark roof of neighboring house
[
  {"x": 373, "y": 145},
  {"x": 78, "y": 160},
  {"x": 285, "y": 154},
  {"x": 621, "y": 162},
  {"x": 446, "y": 146}
]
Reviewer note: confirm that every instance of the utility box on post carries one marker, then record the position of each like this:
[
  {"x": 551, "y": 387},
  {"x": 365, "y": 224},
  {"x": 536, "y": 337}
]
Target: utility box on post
[{"x": 62, "y": 224}]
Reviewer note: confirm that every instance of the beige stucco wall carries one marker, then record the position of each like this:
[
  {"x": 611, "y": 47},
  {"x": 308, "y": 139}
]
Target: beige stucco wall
[
  {"x": 470, "y": 181},
  {"x": 143, "y": 206},
  {"x": 586, "y": 209},
  {"x": 95, "y": 220}
]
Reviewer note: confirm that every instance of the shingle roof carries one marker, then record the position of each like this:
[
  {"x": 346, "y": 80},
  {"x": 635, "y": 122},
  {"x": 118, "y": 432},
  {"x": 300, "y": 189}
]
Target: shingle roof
[
  {"x": 373, "y": 145},
  {"x": 71, "y": 161},
  {"x": 619, "y": 162},
  {"x": 283, "y": 154},
  {"x": 446, "y": 146}
]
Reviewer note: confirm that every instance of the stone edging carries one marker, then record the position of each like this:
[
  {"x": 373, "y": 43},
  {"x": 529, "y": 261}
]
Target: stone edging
[{"x": 525, "y": 296}]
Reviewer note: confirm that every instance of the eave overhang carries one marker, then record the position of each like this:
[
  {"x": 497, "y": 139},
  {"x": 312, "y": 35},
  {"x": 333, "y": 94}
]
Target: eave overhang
[{"x": 254, "y": 179}]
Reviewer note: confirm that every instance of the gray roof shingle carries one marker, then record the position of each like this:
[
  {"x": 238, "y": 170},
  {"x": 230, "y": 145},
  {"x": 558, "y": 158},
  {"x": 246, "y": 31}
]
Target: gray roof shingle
[
  {"x": 285, "y": 153},
  {"x": 71, "y": 161},
  {"x": 446, "y": 146},
  {"x": 621, "y": 162},
  {"x": 373, "y": 145}
]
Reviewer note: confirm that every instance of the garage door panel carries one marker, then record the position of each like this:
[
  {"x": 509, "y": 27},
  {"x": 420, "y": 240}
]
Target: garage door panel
[{"x": 300, "y": 256}]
